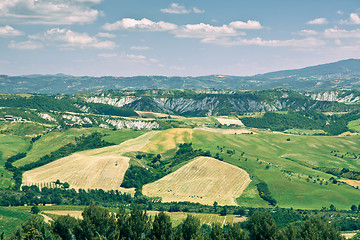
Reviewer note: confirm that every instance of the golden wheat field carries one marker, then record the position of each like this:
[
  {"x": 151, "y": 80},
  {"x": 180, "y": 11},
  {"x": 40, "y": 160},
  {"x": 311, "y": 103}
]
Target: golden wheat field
[
  {"x": 229, "y": 121},
  {"x": 354, "y": 183},
  {"x": 227, "y": 131},
  {"x": 169, "y": 139},
  {"x": 102, "y": 168},
  {"x": 204, "y": 180}
]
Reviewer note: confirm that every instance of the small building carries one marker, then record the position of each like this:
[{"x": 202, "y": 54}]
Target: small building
[{"x": 12, "y": 118}]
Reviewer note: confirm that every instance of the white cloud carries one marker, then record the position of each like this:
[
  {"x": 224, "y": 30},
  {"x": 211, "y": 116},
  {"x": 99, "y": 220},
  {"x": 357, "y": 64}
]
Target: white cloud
[
  {"x": 250, "y": 24},
  {"x": 28, "y": 45},
  {"x": 135, "y": 58},
  {"x": 48, "y": 12},
  {"x": 353, "y": 19},
  {"x": 154, "y": 60},
  {"x": 107, "y": 55},
  {"x": 90, "y": 1},
  {"x": 139, "y": 48},
  {"x": 307, "y": 42},
  {"x": 176, "y": 8},
  {"x": 9, "y": 31},
  {"x": 203, "y": 30},
  {"x": 318, "y": 21},
  {"x": 139, "y": 25},
  {"x": 196, "y": 10},
  {"x": 106, "y": 35},
  {"x": 338, "y": 42},
  {"x": 308, "y": 32},
  {"x": 340, "y": 33},
  {"x": 340, "y": 12},
  {"x": 69, "y": 38}
]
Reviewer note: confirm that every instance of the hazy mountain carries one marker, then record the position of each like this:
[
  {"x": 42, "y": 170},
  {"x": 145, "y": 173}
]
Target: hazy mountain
[{"x": 331, "y": 76}]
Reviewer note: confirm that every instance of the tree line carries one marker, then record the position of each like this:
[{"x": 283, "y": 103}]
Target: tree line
[{"x": 98, "y": 223}]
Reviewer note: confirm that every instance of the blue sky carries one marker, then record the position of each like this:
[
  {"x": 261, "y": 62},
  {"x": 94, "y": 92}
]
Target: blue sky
[{"x": 174, "y": 38}]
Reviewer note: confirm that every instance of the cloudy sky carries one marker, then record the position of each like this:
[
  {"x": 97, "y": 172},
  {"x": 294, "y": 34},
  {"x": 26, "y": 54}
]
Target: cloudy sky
[{"x": 174, "y": 38}]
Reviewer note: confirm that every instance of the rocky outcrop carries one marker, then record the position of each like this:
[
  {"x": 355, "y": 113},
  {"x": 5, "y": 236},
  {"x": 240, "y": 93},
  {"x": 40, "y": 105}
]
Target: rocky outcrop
[
  {"x": 127, "y": 124},
  {"x": 337, "y": 96},
  {"x": 202, "y": 104},
  {"x": 118, "y": 102}
]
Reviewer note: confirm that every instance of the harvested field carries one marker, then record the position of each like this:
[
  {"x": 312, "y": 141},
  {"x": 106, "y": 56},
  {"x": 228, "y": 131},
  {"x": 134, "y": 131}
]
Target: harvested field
[
  {"x": 155, "y": 115},
  {"x": 102, "y": 168},
  {"x": 354, "y": 183},
  {"x": 205, "y": 218},
  {"x": 75, "y": 214},
  {"x": 348, "y": 235},
  {"x": 168, "y": 139},
  {"x": 230, "y": 121},
  {"x": 227, "y": 131},
  {"x": 204, "y": 180}
]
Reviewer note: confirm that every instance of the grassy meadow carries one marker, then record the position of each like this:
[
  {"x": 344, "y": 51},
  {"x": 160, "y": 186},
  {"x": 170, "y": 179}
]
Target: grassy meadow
[
  {"x": 354, "y": 125},
  {"x": 291, "y": 159},
  {"x": 9, "y": 146},
  {"x": 12, "y": 217}
]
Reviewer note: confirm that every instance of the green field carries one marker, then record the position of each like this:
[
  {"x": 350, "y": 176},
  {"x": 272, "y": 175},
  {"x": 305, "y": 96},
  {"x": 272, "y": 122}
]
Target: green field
[
  {"x": 297, "y": 155},
  {"x": 9, "y": 146},
  {"x": 192, "y": 122},
  {"x": 305, "y": 132},
  {"x": 12, "y": 217},
  {"x": 354, "y": 125},
  {"x": 23, "y": 128}
]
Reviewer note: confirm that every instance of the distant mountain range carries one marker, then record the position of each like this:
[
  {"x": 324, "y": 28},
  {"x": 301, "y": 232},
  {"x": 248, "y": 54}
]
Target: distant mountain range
[{"x": 344, "y": 74}]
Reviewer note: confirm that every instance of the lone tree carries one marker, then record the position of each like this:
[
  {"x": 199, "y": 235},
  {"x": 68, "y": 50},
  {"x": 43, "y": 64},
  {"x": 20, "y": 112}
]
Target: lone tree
[
  {"x": 35, "y": 209},
  {"x": 354, "y": 208},
  {"x": 66, "y": 185},
  {"x": 215, "y": 204}
]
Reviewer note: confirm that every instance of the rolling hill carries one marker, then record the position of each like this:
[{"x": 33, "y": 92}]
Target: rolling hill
[{"x": 344, "y": 74}]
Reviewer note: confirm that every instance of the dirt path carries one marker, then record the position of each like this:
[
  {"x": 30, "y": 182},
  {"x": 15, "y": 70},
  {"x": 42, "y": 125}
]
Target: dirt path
[{"x": 47, "y": 219}]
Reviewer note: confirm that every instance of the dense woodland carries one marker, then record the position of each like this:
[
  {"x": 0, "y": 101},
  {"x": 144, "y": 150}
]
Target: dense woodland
[
  {"x": 332, "y": 124},
  {"x": 137, "y": 176}
]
